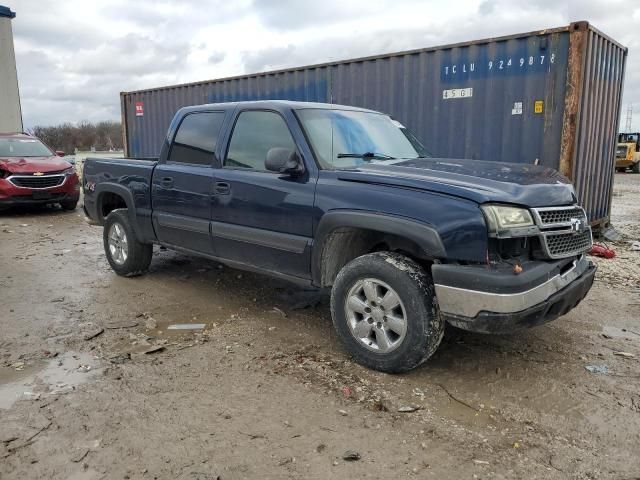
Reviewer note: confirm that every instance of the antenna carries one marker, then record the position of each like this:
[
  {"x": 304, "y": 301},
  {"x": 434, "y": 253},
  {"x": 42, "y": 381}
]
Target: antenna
[{"x": 627, "y": 125}]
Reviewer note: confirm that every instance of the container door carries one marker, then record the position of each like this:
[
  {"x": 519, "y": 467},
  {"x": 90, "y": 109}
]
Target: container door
[{"x": 182, "y": 186}]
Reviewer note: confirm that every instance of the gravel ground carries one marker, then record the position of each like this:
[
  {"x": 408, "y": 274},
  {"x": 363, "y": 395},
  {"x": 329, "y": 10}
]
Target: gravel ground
[{"x": 93, "y": 383}]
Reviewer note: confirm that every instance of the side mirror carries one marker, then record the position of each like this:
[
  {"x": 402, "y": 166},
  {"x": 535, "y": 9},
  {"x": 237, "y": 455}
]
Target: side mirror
[
  {"x": 60, "y": 153},
  {"x": 283, "y": 160}
]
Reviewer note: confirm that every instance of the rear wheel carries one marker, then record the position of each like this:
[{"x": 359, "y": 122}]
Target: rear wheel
[
  {"x": 636, "y": 167},
  {"x": 126, "y": 255},
  {"x": 384, "y": 311}
]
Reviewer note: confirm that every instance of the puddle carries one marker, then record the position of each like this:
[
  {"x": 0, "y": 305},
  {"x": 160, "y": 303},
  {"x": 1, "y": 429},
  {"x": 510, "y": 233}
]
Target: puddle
[{"x": 58, "y": 376}]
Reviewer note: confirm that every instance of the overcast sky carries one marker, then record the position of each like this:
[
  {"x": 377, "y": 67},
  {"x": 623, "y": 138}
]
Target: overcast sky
[{"x": 74, "y": 57}]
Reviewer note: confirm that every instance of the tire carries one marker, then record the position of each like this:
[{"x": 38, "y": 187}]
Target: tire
[
  {"x": 128, "y": 257},
  {"x": 69, "y": 205},
  {"x": 636, "y": 167},
  {"x": 423, "y": 327}
]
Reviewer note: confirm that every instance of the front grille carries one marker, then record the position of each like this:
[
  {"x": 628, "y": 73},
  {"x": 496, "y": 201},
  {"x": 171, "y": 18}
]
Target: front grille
[
  {"x": 45, "y": 181},
  {"x": 565, "y": 231},
  {"x": 562, "y": 245},
  {"x": 560, "y": 215}
]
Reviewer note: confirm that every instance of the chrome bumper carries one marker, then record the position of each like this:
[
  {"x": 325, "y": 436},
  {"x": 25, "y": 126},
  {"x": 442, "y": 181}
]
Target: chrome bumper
[{"x": 469, "y": 303}]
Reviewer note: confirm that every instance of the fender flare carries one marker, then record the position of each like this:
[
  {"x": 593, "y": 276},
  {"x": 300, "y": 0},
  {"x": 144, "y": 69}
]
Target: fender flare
[
  {"x": 424, "y": 235},
  {"x": 127, "y": 196}
]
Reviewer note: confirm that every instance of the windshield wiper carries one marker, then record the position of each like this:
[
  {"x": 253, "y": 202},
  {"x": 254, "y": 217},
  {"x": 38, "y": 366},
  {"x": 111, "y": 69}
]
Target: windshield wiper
[{"x": 373, "y": 155}]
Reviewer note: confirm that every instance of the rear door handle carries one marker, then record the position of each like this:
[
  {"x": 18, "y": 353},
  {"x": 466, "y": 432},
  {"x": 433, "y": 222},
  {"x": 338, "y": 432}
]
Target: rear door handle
[
  {"x": 167, "y": 182},
  {"x": 222, "y": 188}
]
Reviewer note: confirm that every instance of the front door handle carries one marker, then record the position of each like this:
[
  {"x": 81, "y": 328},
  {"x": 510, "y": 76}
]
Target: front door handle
[
  {"x": 167, "y": 182},
  {"x": 222, "y": 188}
]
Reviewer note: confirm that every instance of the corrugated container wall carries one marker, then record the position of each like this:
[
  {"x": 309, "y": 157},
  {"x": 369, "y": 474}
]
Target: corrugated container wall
[{"x": 550, "y": 97}]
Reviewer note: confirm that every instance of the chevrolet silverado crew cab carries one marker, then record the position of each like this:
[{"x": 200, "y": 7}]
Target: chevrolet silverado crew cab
[{"x": 344, "y": 198}]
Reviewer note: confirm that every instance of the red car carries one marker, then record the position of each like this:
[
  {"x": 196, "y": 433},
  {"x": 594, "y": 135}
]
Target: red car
[{"x": 32, "y": 173}]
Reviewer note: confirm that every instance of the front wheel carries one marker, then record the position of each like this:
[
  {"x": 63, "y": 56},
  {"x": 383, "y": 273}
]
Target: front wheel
[
  {"x": 385, "y": 312},
  {"x": 126, "y": 255}
]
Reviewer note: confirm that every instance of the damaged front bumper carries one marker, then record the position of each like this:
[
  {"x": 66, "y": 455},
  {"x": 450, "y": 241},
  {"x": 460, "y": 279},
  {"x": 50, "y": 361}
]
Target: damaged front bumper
[{"x": 495, "y": 300}]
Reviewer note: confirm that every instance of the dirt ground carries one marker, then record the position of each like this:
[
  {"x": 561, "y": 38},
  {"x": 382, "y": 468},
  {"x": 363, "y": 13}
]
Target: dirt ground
[{"x": 93, "y": 383}]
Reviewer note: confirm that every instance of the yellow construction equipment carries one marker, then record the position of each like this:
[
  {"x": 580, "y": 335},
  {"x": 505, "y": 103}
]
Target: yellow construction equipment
[{"x": 628, "y": 152}]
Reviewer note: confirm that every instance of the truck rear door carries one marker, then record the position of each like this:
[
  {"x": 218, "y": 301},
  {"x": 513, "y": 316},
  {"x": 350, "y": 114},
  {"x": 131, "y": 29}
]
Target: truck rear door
[{"x": 182, "y": 183}]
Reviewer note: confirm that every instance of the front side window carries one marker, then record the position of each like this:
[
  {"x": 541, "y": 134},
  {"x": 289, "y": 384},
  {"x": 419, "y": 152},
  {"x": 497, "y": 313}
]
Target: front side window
[
  {"x": 348, "y": 138},
  {"x": 255, "y": 133},
  {"x": 196, "y": 138},
  {"x": 23, "y": 147}
]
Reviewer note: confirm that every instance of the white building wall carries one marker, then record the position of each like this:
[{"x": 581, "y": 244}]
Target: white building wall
[{"x": 10, "y": 113}]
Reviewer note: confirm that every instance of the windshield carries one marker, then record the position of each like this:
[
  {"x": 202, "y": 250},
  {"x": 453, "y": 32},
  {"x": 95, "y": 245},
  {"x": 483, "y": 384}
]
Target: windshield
[
  {"x": 23, "y": 147},
  {"x": 345, "y": 139}
]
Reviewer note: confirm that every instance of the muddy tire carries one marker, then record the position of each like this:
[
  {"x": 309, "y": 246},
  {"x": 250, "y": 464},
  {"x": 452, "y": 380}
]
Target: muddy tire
[
  {"x": 69, "y": 205},
  {"x": 636, "y": 167},
  {"x": 126, "y": 255},
  {"x": 385, "y": 312}
]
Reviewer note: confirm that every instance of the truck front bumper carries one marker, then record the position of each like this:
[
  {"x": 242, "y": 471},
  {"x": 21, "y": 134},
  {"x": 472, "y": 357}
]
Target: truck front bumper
[{"x": 496, "y": 300}]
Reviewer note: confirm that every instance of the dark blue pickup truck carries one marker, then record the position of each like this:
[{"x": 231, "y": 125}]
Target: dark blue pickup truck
[{"x": 347, "y": 198}]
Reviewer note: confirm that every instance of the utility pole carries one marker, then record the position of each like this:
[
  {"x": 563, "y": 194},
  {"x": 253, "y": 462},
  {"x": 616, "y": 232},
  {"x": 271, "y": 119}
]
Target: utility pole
[{"x": 627, "y": 125}]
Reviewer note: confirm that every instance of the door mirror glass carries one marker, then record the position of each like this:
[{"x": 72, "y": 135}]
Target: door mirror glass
[{"x": 283, "y": 160}]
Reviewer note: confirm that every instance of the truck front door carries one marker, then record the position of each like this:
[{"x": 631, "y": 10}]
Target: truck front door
[
  {"x": 182, "y": 185},
  {"x": 262, "y": 218}
]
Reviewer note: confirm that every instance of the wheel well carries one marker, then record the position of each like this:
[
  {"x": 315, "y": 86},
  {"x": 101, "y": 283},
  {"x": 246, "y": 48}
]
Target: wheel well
[
  {"x": 346, "y": 243},
  {"x": 110, "y": 201}
]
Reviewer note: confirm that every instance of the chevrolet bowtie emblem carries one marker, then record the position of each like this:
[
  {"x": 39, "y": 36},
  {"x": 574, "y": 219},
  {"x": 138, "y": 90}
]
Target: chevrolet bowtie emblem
[
  {"x": 577, "y": 225},
  {"x": 38, "y": 174}
]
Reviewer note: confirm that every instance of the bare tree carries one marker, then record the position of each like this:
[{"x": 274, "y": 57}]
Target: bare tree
[{"x": 83, "y": 136}]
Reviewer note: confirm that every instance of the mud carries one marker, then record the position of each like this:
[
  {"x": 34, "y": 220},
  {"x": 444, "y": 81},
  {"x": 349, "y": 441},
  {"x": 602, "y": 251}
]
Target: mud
[{"x": 264, "y": 390}]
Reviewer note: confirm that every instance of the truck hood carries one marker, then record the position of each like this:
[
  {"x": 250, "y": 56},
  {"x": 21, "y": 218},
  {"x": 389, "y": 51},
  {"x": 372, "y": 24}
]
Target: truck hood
[
  {"x": 33, "y": 164},
  {"x": 475, "y": 180}
]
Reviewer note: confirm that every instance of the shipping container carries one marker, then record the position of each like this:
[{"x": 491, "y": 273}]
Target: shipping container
[
  {"x": 550, "y": 97},
  {"x": 10, "y": 113}
]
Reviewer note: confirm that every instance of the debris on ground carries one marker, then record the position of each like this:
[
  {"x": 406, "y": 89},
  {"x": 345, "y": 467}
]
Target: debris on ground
[
  {"x": 611, "y": 234},
  {"x": 603, "y": 369},
  {"x": 154, "y": 349},
  {"x": 351, "y": 456},
  {"x": 624, "y": 354},
  {"x": 408, "y": 409},
  {"x": 94, "y": 333},
  {"x": 603, "y": 251},
  {"x": 79, "y": 455},
  {"x": 150, "y": 323},
  {"x": 186, "y": 326},
  {"x": 280, "y": 311},
  {"x": 635, "y": 246},
  {"x": 480, "y": 462}
]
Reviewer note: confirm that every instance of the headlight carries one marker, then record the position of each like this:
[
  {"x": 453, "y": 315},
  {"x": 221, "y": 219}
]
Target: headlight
[
  {"x": 501, "y": 217},
  {"x": 69, "y": 171}
]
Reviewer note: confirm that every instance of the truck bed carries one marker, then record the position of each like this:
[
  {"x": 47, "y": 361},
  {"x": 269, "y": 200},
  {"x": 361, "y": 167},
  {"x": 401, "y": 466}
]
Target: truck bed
[{"x": 130, "y": 177}]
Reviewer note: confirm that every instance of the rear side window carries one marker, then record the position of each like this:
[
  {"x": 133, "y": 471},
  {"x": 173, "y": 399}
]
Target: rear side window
[
  {"x": 195, "y": 141},
  {"x": 255, "y": 133}
]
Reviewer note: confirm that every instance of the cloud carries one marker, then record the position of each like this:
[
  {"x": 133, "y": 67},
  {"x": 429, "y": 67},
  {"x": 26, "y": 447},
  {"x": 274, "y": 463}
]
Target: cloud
[{"x": 74, "y": 57}]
